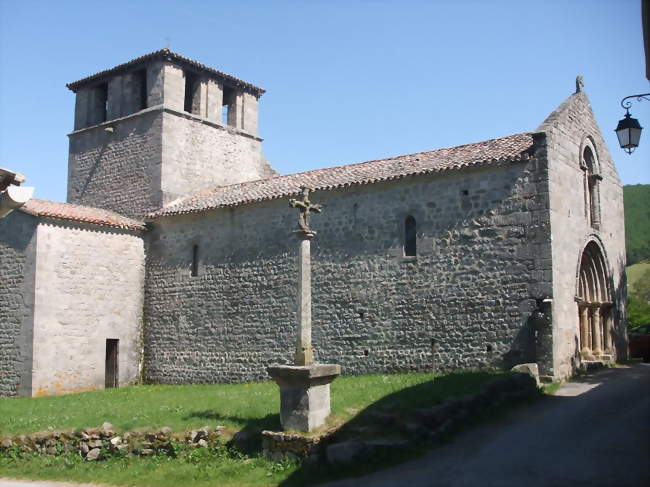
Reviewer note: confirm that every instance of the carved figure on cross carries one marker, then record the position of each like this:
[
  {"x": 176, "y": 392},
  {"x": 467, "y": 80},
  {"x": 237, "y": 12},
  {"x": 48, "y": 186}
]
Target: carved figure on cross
[{"x": 305, "y": 206}]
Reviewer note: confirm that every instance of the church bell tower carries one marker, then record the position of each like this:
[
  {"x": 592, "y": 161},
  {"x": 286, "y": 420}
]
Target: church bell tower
[{"x": 159, "y": 128}]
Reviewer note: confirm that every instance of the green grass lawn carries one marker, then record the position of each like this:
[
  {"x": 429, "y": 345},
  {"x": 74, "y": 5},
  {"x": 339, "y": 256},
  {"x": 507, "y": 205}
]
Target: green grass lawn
[
  {"x": 233, "y": 405},
  {"x": 236, "y": 406},
  {"x": 179, "y": 407}
]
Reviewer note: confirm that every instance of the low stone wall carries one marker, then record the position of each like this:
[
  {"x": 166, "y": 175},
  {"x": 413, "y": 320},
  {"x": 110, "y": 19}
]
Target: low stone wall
[
  {"x": 429, "y": 425},
  {"x": 99, "y": 443}
]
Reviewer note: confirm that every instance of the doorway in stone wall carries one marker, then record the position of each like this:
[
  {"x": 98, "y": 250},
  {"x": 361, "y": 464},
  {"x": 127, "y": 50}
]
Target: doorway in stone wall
[
  {"x": 112, "y": 363},
  {"x": 595, "y": 307}
]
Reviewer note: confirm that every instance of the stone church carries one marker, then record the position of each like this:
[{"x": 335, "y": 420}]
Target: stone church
[{"x": 173, "y": 262}]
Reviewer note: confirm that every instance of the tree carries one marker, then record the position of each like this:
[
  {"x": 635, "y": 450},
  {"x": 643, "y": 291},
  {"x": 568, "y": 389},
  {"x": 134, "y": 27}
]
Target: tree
[{"x": 638, "y": 302}]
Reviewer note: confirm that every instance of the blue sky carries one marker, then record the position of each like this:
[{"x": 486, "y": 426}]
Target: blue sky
[{"x": 346, "y": 81}]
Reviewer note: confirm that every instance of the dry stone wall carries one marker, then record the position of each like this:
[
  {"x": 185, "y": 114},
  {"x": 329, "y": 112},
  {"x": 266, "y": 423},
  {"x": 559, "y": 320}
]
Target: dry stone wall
[
  {"x": 101, "y": 443},
  {"x": 467, "y": 299},
  {"x": 17, "y": 241}
]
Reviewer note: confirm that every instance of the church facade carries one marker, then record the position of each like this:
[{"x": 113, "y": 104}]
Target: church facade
[{"x": 174, "y": 262}]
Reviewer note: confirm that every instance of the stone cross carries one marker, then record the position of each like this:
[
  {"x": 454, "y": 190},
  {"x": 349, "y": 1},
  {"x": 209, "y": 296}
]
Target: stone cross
[
  {"x": 304, "y": 354},
  {"x": 305, "y": 386},
  {"x": 305, "y": 206}
]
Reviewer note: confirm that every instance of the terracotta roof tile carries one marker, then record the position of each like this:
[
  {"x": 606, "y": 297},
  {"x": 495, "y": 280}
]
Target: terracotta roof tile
[
  {"x": 490, "y": 152},
  {"x": 167, "y": 54},
  {"x": 67, "y": 211}
]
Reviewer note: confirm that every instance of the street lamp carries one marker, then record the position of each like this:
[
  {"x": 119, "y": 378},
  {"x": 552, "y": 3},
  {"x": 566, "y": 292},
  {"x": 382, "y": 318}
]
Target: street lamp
[{"x": 628, "y": 129}]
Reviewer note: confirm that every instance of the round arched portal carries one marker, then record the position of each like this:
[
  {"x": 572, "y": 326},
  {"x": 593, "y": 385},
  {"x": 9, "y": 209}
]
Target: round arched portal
[{"x": 594, "y": 305}]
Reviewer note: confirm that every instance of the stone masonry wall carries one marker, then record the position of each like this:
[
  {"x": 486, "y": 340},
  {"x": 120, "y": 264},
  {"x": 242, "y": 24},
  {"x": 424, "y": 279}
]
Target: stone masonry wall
[
  {"x": 17, "y": 242},
  {"x": 119, "y": 171},
  {"x": 569, "y": 129},
  {"x": 89, "y": 288},
  {"x": 466, "y": 300},
  {"x": 156, "y": 156},
  {"x": 200, "y": 155}
]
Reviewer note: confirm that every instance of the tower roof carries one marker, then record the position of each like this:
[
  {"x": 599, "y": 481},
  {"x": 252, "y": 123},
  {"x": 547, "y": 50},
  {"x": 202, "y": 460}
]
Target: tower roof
[{"x": 168, "y": 55}]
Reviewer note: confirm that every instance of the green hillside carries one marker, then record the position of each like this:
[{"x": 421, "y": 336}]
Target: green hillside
[
  {"x": 637, "y": 222},
  {"x": 634, "y": 273}
]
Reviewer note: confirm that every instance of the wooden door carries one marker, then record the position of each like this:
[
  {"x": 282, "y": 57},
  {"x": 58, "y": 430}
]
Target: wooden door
[{"x": 112, "y": 362}]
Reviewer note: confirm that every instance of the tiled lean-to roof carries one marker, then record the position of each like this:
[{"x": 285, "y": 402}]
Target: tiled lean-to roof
[
  {"x": 492, "y": 152},
  {"x": 78, "y": 213},
  {"x": 171, "y": 56}
]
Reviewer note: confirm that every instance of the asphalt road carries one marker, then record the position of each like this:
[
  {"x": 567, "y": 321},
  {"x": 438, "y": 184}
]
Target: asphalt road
[{"x": 595, "y": 432}]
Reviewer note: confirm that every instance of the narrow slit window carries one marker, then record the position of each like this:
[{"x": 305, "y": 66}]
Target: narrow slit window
[
  {"x": 140, "y": 79},
  {"x": 112, "y": 363},
  {"x": 195, "y": 261},
  {"x": 410, "y": 240}
]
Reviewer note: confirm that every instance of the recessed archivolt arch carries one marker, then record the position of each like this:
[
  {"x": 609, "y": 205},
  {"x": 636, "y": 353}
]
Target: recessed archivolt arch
[
  {"x": 594, "y": 301},
  {"x": 592, "y": 243}
]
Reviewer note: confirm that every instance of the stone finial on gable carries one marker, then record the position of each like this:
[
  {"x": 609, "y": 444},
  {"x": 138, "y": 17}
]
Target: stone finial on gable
[{"x": 580, "y": 83}]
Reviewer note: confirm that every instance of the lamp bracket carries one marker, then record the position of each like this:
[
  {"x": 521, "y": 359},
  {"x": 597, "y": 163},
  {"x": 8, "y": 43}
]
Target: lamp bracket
[{"x": 627, "y": 101}]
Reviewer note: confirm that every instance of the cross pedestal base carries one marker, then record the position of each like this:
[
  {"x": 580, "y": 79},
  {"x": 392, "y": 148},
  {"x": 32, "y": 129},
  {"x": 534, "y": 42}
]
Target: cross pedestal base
[{"x": 304, "y": 394}]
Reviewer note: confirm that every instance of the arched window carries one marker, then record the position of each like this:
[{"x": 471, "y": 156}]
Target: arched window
[
  {"x": 410, "y": 240},
  {"x": 591, "y": 179}
]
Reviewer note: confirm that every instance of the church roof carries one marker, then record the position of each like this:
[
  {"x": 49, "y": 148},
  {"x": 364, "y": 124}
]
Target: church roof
[
  {"x": 492, "y": 152},
  {"x": 78, "y": 213},
  {"x": 172, "y": 56}
]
